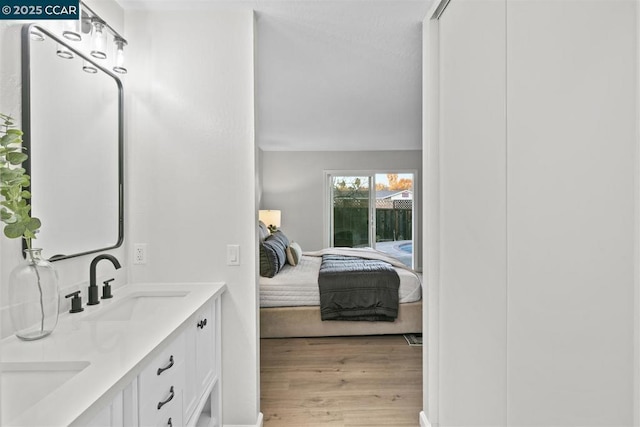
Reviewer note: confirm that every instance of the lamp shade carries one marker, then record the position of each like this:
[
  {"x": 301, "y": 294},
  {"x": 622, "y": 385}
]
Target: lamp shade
[{"x": 271, "y": 218}]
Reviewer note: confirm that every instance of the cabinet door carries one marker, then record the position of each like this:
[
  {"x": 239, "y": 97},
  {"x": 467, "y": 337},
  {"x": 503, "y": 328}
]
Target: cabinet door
[
  {"x": 201, "y": 357},
  {"x": 205, "y": 347},
  {"x": 111, "y": 416}
]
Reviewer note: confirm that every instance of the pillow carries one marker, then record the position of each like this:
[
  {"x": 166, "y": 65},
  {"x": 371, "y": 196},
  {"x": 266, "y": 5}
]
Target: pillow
[
  {"x": 263, "y": 231},
  {"x": 273, "y": 254},
  {"x": 294, "y": 252}
]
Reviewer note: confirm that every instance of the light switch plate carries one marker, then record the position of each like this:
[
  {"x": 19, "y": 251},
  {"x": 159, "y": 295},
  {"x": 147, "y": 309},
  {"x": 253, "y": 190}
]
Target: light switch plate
[{"x": 233, "y": 254}]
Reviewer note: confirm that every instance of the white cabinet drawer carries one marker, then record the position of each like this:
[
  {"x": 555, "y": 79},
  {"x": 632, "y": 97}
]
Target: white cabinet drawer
[
  {"x": 158, "y": 405},
  {"x": 165, "y": 366},
  {"x": 169, "y": 415},
  {"x": 160, "y": 386}
]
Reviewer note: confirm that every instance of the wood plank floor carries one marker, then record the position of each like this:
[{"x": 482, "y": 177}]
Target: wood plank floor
[{"x": 340, "y": 381}]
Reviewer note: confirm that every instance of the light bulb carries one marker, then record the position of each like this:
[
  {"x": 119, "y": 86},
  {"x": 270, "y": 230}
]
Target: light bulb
[
  {"x": 88, "y": 67},
  {"x": 36, "y": 35},
  {"x": 64, "y": 52},
  {"x": 119, "y": 66},
  {"x": 98, "y": 39},
  {"x": 72, "y": 30}
]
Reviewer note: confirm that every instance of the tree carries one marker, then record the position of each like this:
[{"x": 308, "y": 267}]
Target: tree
[
  {"x": 393, "y": 180},
  {"x": 399, "y": 184}
]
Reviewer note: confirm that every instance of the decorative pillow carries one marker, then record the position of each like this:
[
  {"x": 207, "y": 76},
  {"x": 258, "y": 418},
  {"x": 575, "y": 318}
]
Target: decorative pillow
[
  {"x": 273, "y": 254},
  {"x": 294, "y": 252},
  {"x": 263, "y": 231}
]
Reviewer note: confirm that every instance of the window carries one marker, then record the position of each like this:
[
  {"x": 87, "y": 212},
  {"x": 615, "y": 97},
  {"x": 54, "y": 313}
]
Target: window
[{"x": 372, "y": 209}]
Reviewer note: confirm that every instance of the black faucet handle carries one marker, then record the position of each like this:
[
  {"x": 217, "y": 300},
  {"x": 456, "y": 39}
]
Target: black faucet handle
[
  {"x": 76, "y": 302},
  {"x": 106, "y": 289}
]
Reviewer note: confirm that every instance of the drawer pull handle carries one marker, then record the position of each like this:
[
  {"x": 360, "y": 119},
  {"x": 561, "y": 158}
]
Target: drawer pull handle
[
  {"x": 161, "y": 370},
  {"x": 202, "y": 323},
  {"x": 169, "y": 423},
  {"x": 161, "y": 404}
]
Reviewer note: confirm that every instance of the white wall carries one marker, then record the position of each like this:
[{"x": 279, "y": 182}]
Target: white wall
[
  {"x": 73, "y": 273},
  {"x": 293, "y": 181},
  {"x": 192, "y": 171},
  {"x": 571, "y": 169},
  {"x": 472, "y": 208},
  {"x": 535, "y": 213}
]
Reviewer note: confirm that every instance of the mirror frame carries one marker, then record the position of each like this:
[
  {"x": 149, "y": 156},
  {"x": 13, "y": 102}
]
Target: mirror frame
[{"x": 26, "y": 127}]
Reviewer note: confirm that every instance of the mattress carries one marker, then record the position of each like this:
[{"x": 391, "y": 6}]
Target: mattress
[{"x": 298, "y": 286}]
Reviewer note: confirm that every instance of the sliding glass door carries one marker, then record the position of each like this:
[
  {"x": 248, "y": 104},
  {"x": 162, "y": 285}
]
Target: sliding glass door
[
  {"x": 351, "y": 214},
  {"x": 372, "y": 210}
]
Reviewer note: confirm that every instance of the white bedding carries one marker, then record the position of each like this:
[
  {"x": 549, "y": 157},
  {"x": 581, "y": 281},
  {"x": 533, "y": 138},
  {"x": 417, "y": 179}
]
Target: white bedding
[{"x": 296, "y": 286}]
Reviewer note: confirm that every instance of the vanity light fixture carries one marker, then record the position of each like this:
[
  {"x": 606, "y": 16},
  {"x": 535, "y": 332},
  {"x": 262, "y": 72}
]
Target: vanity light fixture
[
  {"x": 120, "y": 44},
  {"x": 98, "y": 38},
  {"x": 64, "y": 52},
  {"x": 101, "y": 31},
  {"x": 90, "y": 23}
]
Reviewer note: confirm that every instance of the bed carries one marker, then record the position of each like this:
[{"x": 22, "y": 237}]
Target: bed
[{"x": 290, "y": 299}]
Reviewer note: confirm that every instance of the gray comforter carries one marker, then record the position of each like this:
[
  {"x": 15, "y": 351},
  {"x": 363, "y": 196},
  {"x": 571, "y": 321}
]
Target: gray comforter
[{"x": 353, "y": 288}]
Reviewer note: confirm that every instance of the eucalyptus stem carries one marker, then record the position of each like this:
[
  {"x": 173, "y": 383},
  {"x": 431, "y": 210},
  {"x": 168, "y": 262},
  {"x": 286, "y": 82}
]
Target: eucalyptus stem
[{"x": 35, "y": 268}]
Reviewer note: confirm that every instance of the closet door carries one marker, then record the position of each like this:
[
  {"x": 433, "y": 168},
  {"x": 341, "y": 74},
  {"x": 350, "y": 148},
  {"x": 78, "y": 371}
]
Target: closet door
[
  {"x": 571, "y": 85},
  {"x": 472, "y": 214}
]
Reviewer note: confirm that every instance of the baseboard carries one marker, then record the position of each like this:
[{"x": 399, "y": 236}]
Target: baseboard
[
  {"x": 424, "y": 422},
  {"x": 258, "y": 423}
]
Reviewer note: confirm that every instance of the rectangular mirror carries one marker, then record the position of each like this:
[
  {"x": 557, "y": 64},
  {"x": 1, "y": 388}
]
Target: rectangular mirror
[{"x": 73, "y": 132}]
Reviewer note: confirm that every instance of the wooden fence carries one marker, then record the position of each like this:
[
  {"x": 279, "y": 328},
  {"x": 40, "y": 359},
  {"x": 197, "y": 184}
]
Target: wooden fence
[{"x": 351, "y": 221}]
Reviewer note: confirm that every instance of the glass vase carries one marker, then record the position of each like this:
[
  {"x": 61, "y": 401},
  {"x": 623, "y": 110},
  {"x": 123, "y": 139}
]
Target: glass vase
[{"x": 33, "y": 297}]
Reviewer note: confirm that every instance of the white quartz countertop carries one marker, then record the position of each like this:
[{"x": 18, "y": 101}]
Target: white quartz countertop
[{"x": 108, "y": 351}]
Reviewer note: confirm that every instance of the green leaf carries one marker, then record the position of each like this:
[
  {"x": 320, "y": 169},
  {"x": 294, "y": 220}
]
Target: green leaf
[
  {"x": 10, "y": 138},
  {"x": 5, "y": 215},
  {"x": 15, "y": 211},
  {"x": 16, "y": 158},
  {"x": 13, "y": 231},
  {"x": 12, "y": 220},
  {"x": 33, "y": 224},
  {"x": 7, "y": 174}
]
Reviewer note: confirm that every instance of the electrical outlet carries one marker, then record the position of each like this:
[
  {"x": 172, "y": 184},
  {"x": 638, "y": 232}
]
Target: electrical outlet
[{"x": 140, "y": 253}]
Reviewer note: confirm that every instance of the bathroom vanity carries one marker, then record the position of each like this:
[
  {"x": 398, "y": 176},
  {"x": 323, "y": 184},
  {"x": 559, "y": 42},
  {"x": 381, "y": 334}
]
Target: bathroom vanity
[{"x": 149, "y": 356}]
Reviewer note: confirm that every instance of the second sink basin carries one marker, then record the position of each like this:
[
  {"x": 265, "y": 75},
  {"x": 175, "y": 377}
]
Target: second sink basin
[{"x": 135, "y": 306}]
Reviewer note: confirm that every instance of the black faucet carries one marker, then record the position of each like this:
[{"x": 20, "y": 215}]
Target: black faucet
[{"x": 93, "y": 288}]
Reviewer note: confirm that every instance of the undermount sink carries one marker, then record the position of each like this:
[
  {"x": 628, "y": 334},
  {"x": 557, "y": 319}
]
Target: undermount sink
[
  {"x": 136, "y": 306},
  {"x": 23, "y": 384}
]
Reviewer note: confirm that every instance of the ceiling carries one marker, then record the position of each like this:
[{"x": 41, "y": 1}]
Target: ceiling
[{"x": 334, "y": 75}]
